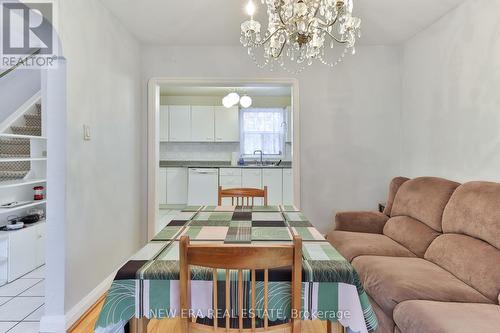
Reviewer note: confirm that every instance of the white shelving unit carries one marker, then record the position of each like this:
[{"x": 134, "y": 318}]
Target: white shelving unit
[
  {"x": 23, "y": 206},
  {"x": 21, "y": 182},
  {"x": 22, "y": 169}
]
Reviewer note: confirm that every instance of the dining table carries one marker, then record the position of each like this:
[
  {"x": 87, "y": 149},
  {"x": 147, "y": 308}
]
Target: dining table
[{"x": 147, "y": 286}]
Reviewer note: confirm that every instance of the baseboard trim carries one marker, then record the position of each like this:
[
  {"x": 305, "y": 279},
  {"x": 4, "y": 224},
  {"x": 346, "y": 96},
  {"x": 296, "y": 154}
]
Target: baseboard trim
[{"x": 88, "y": 302}]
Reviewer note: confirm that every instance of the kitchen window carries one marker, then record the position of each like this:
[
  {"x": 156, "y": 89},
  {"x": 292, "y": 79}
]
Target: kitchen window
[{"x": 263, "y": 129}]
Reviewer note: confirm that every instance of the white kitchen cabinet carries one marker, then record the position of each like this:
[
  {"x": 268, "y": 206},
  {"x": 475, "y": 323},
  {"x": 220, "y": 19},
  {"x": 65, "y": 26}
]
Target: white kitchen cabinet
[
  {"x": 229, "y": 178},
  {"x": 164, "y": 123},
  {"x": 179, "y": 123},
  {"x": 202, "y": 123},
  {"x": 273, "y": 179},
  {"x": 177, "y": 186},
  {"x": 252, "y": 178},
  {"x": 162, "y": 186},
  {"x": 287, "y": 187},
  {"x": 227, "y": 124},
  {"x": 22, "y": 252},
  {"x": 40, "y": 230},
  {"x": 203, "y": 186}
]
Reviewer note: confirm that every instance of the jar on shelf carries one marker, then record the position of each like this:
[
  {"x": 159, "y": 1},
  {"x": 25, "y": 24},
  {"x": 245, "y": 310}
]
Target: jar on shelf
[{"x": 38, "y": 193}]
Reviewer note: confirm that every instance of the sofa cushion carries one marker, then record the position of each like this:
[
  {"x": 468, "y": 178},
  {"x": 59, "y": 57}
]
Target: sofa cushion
[
  {"x": 474, "y": 210},
  {"x": 412, "y": 234},
  {"x": 353, "y": 244},
  {"x": 391, "y": 280},
  {"x": 385, "y": 322},
  {"x": 424, "y": 199},
  {"x": 393, "y": 190},
  {"x": 441, "y": 317},
  {"x": 473, "y": 261}
]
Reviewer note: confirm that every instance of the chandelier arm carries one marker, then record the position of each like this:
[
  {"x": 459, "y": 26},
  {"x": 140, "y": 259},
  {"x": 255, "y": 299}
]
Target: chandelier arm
[
  {"x": 281, "y": 17},
  {"x": 323, "y": 24},
  {"x": 269, "y": 37},
  {"x": 332, "y": 36},
  {"x": 281, "y": 50}
]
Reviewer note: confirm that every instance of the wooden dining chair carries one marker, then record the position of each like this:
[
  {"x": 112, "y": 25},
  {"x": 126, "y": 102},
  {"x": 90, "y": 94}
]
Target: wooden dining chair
[
  {"x": 240, "y": 257},
  {"x": 240, "y": 194}
]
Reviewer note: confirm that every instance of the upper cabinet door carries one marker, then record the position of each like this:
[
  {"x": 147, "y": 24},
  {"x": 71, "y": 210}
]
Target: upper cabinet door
[
  {"x": 227, "y": 124},
  {"x": 180, "y": 123},
  {"x": 202, "y": 123},
  {"x": 163, "y": 123}
]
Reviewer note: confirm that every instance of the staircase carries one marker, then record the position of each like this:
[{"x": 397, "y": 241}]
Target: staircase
[{"x": 17, "y": 147}]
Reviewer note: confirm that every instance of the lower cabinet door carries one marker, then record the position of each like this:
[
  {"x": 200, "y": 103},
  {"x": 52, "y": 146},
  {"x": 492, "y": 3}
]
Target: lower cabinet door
[
  {"x": 252, "y": 178},
  {"x": 162, "y": 186},
  {"x": 273, "y": 179},
  {"x": 177, "y": 186},
  {"x": 21, "y": 252},
  {"x": 287, "y": 187},
  {"x": 40, "y": 244}
]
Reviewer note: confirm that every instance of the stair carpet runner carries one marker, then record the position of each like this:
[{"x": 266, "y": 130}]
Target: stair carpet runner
[{"x": 19, "y": 147}]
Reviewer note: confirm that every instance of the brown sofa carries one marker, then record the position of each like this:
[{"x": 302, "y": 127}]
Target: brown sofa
[{"x": 431, "y": 262}]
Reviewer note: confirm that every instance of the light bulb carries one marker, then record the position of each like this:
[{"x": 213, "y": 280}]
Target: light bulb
[
  {"x": 233, "y": 98},
  {"x": 246, "y": 101},
  {"x": 250, "y": 8},
  {"x": 227, "y": 102}
]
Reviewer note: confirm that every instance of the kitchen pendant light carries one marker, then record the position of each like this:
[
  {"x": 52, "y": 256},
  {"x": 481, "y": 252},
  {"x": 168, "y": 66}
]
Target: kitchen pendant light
[{"x": 245, "y": 101}]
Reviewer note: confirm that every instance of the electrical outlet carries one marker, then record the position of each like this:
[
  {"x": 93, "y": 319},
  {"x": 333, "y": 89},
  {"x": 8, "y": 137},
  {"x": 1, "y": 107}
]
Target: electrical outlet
[{"x": 86, "y": 132}]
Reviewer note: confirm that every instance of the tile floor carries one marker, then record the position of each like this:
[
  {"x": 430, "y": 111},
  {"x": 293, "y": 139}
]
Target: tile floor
[{"x": 22, "y": 303}]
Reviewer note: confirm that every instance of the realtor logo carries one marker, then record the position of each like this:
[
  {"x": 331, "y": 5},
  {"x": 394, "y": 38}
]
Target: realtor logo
[{"x": 27, "y": 28}]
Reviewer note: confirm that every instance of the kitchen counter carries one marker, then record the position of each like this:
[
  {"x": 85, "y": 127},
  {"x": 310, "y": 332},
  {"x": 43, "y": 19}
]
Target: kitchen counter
[{"x": 220, "y": 164}]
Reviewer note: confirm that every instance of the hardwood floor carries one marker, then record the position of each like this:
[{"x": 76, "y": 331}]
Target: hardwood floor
[{"x": 87, "y": 322}]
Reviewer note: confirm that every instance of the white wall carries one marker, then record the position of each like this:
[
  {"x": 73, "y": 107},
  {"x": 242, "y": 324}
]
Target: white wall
[
  {"x": 451, "y": 100},
  {"x": 106, "y": 197},
  {"x": 349, "y": 119}
]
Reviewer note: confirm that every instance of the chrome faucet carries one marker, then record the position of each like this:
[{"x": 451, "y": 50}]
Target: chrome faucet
[{"x": 261, "y": 153}]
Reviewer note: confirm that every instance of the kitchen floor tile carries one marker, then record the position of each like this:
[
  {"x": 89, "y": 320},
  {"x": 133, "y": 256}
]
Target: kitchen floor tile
[
  {"x": 37, "y": 290},
  {"x": 19, "y": 308},
  {"x": 6, "y": 325},
  {"x": 26, "y": 327},
  {"x": 38, "y": 273},
  {"x": 18, "y": 286},
  {"x": 36, "y": 315},
  {"x": 4, "y": 300}
]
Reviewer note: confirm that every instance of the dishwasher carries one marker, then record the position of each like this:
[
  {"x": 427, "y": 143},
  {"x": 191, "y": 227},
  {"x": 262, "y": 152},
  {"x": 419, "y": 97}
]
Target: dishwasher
[{"x": 203, "y": 186}]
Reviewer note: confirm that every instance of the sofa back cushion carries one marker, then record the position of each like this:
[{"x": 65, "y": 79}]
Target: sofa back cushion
[
  {"x": 393, "y": 190},
  {"x": 471, "y": 260},
  {"x": 474, "y": 210},
  {"x": 424, "y": 199},
  {"x": 412, "y": 234}
]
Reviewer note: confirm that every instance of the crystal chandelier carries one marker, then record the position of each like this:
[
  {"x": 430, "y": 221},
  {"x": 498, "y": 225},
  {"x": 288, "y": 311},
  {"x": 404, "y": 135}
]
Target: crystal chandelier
[{"x": 299, "y": 31}]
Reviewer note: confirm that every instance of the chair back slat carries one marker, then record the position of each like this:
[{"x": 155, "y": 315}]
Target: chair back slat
[
  {"x": 216, "y": 317},
  {"x": 241, "y": 257},
  {"x": 240, "y": 300},
  {"x": 253, "y": 298},
  {"x": 228, "y": 300},
  {"x": 242, "y": 194},
  {"x": 266, "y": 299}
]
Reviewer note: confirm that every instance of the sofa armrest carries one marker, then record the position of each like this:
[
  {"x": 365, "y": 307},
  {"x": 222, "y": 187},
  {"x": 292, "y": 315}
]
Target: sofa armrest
[{"x": 368, "y": 222}]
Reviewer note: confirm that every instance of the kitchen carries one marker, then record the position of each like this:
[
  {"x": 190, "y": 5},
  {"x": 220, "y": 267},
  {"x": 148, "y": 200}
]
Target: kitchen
[{"x": 233, "y": 137}]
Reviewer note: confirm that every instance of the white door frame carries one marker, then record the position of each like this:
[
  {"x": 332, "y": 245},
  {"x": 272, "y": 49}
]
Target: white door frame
[{"x": 154, "y": 131}]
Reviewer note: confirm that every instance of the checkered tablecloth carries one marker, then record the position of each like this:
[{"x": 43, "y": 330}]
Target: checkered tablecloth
[{"x": 148, "y": 285}]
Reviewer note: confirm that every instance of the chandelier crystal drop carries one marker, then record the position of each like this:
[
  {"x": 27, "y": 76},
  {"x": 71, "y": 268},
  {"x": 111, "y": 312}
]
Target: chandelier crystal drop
[{"x": 301, "y": 31}]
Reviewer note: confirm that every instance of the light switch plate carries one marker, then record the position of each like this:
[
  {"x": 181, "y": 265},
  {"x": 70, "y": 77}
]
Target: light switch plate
[{"x": 86, "y": 132}]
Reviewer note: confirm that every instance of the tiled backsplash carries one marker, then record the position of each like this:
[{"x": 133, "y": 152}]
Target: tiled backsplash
[{"x": 194, "y": 151}]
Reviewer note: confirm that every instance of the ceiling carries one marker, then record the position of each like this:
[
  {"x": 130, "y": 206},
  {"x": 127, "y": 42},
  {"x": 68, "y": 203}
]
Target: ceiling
[
  {"x": 281, "y": 91},
  {"x": 217, "y": 22}
]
